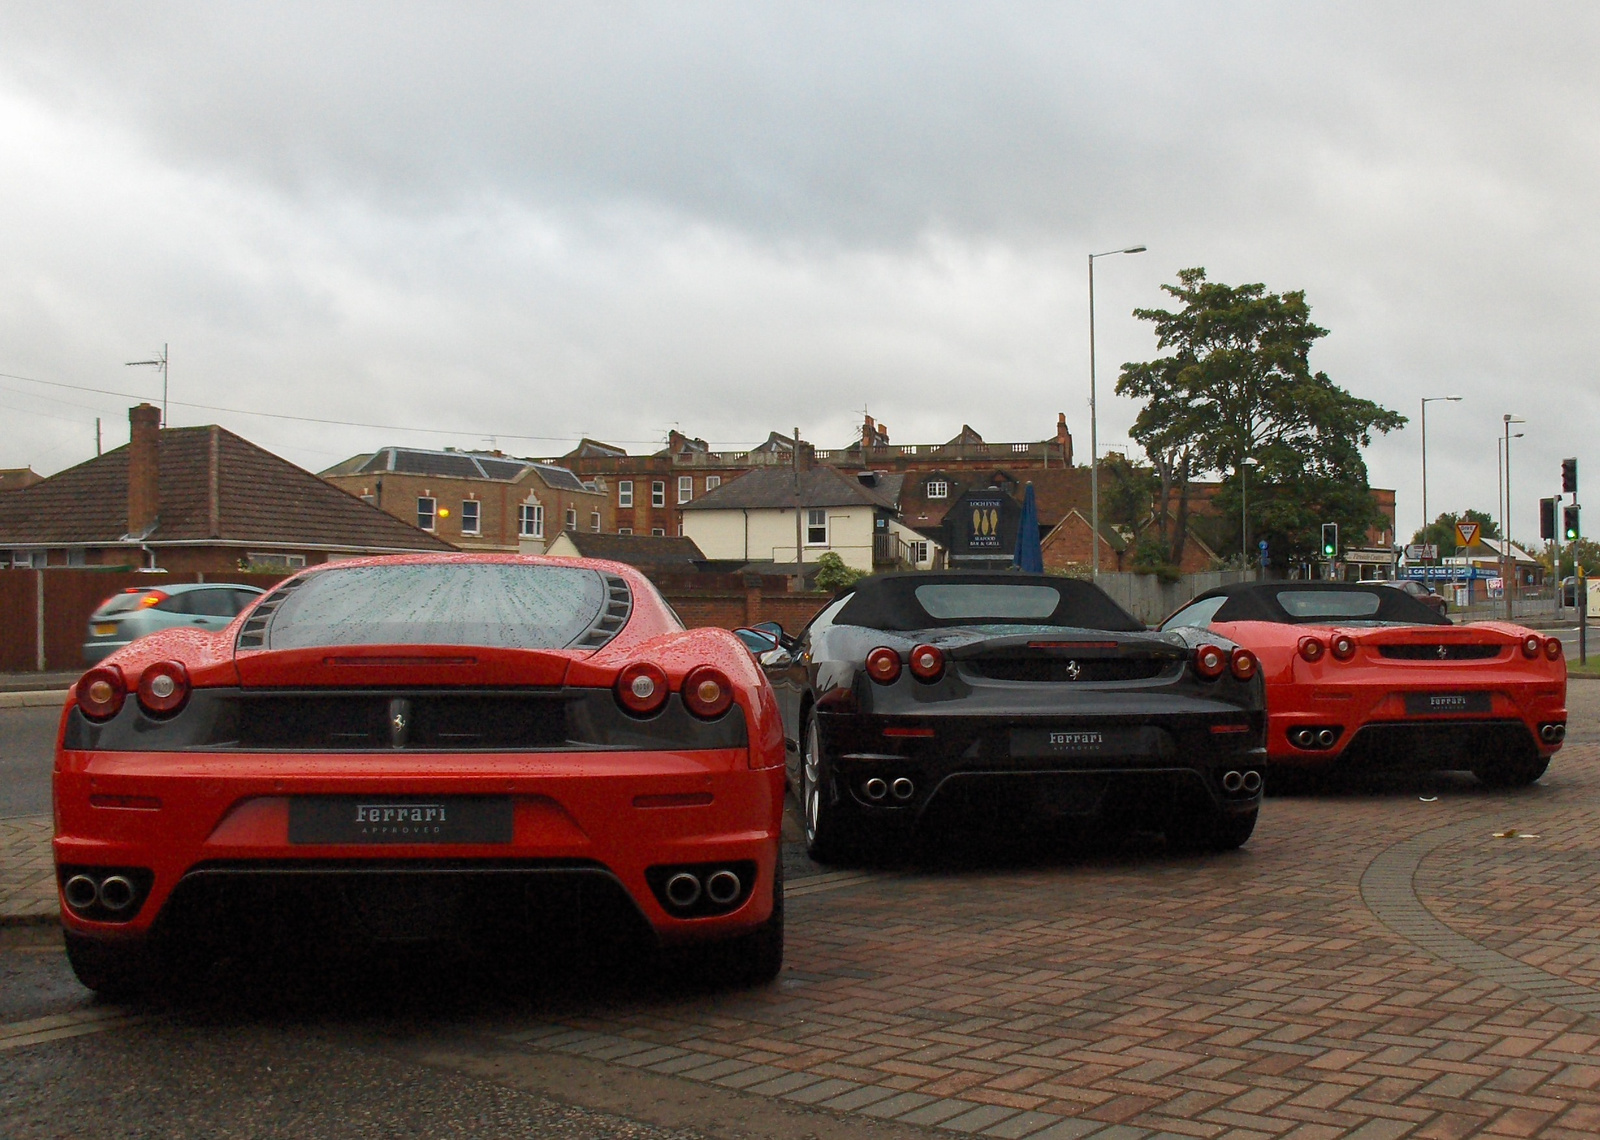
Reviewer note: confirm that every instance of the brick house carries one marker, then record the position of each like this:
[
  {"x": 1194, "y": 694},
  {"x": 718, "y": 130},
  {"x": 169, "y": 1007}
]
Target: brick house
[
  {"x": 483, "y": 501},
  {"x": 648, "y": 492},
  {"x": 193, "y": 499}
]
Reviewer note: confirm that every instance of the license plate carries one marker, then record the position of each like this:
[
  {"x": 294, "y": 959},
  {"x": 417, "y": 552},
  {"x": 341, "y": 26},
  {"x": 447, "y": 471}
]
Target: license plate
[
  {"x": 105, "y": 628},
  {"x": 1432, "y": 704},
  {"x": 1031, "y": 742},
  {"x": 412, "y": 819}
]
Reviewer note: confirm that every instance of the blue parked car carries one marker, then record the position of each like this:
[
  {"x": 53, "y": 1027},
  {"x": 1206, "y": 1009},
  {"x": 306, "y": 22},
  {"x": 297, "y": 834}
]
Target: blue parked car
[{"x": 139, "y": 610}]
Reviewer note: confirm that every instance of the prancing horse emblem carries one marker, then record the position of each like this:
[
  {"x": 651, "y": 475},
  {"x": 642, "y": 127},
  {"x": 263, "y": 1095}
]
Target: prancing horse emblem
[
  {"x": 1074, "y": 670},
  {"x": 1443, "y": 653},
  {"x": 399, "y": 722}
]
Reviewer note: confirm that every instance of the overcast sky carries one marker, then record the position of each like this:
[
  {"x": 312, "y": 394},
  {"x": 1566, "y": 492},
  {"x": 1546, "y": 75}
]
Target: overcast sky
[{"x": 528, "y": 222}]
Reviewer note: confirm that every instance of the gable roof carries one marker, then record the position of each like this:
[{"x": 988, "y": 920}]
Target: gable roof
[
  {"x": 773, "y": 488},
  {"x": 636, "y": 549},
  {"x": 213, "y": 485}
]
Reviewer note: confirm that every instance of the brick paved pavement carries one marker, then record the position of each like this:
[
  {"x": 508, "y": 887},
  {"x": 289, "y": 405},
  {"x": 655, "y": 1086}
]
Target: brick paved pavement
[
  {"x": 27, "y": 875},
  {"x": 1134, "y": 994}
]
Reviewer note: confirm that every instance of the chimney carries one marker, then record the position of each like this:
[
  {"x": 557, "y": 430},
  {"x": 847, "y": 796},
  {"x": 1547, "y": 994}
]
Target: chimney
[
  {"x": 868, "y": 436},
  {"x": 1064, "y": 439},
  {"x": 144, "y": 466}
]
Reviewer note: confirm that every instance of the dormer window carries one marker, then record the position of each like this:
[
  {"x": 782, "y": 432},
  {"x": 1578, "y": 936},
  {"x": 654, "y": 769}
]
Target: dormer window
[{"x": 938, "y": 489}]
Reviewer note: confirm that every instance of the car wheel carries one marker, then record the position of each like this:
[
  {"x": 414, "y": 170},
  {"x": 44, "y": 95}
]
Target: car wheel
[
  {"x": 1511, "y": 773},
  {"x": 1214, "y": 832},
  {"x": 110, "y": 970},
  {"x": 821, "y": 816}
]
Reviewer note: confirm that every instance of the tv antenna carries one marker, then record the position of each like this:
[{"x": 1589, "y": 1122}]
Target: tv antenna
[{"x": 161, "y": 363}]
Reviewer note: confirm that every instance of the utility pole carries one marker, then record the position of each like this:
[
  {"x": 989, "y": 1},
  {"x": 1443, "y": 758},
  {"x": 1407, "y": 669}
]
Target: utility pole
[
  {"x": 97, "y": 435},
  {"x": 799, "y": 552}
]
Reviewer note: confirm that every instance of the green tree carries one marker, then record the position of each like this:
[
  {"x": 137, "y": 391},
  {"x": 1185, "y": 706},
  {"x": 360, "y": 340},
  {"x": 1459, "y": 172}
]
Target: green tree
[
  {"x": 833, "y": 575},
  {"x": 1237, "y": 385},
  {"x": 1441, "y": 532}
]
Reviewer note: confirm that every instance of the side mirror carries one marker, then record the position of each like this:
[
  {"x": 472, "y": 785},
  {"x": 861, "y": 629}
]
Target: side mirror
[{"x": 778, "y": 658}]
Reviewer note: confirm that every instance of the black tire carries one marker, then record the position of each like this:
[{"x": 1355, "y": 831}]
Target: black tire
[
  {"x": 1211, "y": 832},
  {"x": 109, "y": 969},
  {"x": 1511, "y": 773},
  {"x": 830, "y": 838}
]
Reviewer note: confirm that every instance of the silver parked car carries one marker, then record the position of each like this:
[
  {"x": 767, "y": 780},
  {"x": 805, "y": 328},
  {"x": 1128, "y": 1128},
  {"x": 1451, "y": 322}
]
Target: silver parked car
[{"x": 139, "y": 610}]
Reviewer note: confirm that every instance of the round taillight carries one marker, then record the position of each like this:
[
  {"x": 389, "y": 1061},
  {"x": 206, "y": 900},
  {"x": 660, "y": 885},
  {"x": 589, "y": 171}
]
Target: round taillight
[
  {"x": 163, "y": 687},
  {"x": 883, "y": 665},
  {"x": 1343, "y": 646},
  {"x": 1552, "y": 649},
  {"x": 1312, "y": 649},
  {"x": 101, "y": 692},
  {"x": 1210, "y": 661},
  {"x": 707, "y": 692},
  {"x": 1531, "y": 646},
  {"x": 1243, "y": 664},
  {"x": 927, "y": 663},
  {"x": 641, "y": 689}
]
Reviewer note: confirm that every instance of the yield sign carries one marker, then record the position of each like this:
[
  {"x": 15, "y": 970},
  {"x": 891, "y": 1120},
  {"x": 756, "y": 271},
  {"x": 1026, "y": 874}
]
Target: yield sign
[{"x": 1467, "y": 533}]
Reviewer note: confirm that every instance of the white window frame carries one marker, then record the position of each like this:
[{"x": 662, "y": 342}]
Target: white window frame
[
  {"x": 286, "y": 561},
  {"x": 594, "y": 521},
  {"x": 624, "y": 492},
  {"x": 713, "y": 482},
  {"x": 812, "y": 525},
  {"x": 658, "y": 493},
  {"x": 919, "y": 551},
  {"x": 624, "y": 530},
  {"x": 571, "y": 518},
  {"x": 657, "y": 532},
  {"x": 685, "y": 489},
  {"x": 431, "y": 514},
  {"x": 938, "y": 489},
  {"x": 471, "y": 516},
  {"x": 530, "y": 520}
]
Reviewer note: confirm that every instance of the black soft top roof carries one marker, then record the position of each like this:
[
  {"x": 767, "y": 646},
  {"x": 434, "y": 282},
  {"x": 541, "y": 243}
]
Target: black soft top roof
[
  {"x": 889, "y": 602},
  {"x": 1258, "y": 601}
]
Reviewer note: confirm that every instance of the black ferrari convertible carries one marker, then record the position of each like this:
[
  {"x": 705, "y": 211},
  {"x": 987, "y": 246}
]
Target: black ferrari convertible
[{"x": 993, "y": 703}]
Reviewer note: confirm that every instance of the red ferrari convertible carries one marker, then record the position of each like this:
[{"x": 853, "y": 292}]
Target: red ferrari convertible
[
  {"x": 422, "y": 748},
  {"x": 1361, "y": 674}
]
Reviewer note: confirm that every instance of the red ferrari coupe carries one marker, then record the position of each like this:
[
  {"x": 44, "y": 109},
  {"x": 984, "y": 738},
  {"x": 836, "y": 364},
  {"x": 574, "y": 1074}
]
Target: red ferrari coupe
[
  {"x": 1361, "y": 674},
  {"x": 419, "y": 748}
]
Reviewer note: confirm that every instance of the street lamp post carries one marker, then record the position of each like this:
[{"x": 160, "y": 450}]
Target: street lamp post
[
  {"x": 1244, "y": 507},
  {"x": 1426, "y": 400},
  {"x": 1094, "y": 426},
  {"x": 1508, "y": 561}
]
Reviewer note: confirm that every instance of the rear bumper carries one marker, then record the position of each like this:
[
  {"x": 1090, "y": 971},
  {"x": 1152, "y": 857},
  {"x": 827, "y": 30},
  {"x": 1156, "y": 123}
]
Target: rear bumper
[
  {"x": 1372, "y": 725},
  {"x": 1007, "y": 770},
  {"x": 194, "y": 823}
]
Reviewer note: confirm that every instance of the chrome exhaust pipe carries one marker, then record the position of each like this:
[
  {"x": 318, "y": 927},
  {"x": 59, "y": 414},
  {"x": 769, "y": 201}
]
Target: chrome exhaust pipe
[
  {"x": 117, "y": 892},
  {"x": 903, "y": 788},
  {"x": 1561, "y": 732},
  {"x": 1547, "y": 733},
  {"x": 80, "y": 891},
  {"x": 1326, "y": 737},
  {"x": 1232, "y": 782},
  {"x": 875, "y": 788},
  {"x": 1252, "y": 781},
  {"x": 722, "y": 887},
  {"x": 683, "y": 889},
  {"x": 1303, "y": 738}
]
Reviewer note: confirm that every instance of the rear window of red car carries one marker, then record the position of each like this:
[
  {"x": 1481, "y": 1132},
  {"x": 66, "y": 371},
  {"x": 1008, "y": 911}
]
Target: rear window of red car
[{"x": 498, "y": 605}]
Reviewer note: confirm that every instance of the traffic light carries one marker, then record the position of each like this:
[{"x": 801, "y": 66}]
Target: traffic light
[
  {"x": 1569, "y": 523},
  {"x": 1330, "y": 540},
  {"x": 1547, "y": 518},
  {"x": 1569, "y": 476}
]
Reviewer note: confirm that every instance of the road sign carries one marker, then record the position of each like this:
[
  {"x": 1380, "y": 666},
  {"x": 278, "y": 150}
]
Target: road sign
[
  {"x": 1467, "y": 533},
  {"x": 1418, "y": 551}
]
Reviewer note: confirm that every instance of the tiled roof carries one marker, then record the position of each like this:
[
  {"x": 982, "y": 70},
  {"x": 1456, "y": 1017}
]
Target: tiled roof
[
  {"x": 636, "y": 549},
  {"x": 559, "y": 478},
  {"x": 772, "y": 488},
  {"x": 257, "y": 497}
]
